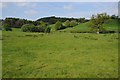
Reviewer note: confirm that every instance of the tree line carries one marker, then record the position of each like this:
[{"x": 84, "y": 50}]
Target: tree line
[
  {"x": 42, "y": 24},
  {"x": 43, "y": 27},
  {"x": 53, "y": 19},
  {"x": 17, "y": 22}
]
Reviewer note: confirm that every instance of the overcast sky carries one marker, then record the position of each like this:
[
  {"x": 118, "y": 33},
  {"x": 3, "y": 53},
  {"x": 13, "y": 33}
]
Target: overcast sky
[{"x": 36, "y": 10}]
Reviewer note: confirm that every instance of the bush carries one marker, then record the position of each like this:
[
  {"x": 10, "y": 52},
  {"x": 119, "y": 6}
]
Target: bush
[
  {"x": 40, "y": 28},
  {"x": 73, "y": 23},
  {"x": 47, "y": 30},
  {"x": 28, "y": 28},
  {"x": 66, "y": 23},
  {"x": 7, "y": 27},
  {"x": 58, "y": 25},
  {"x": 33, "y": 28}
]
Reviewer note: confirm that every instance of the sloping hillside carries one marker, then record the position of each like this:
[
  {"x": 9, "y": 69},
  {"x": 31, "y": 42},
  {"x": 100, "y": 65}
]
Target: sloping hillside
[
  {"x": 110, "y": 25},
  {"x": 83, "y": 27}
]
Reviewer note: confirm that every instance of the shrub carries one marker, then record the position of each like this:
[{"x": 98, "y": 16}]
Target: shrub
[
  {"x": 47, "y": 30},
  {"x": 40, "y": 28},
  {"x": 7, "y": 27},
  {"x": 66, "y": 23},
  {"x": 59, "y": 26},
  {"x": 73, "y": 23},
  {"x": 28, "y": 28},
  {"x": 33, "y": 28}
]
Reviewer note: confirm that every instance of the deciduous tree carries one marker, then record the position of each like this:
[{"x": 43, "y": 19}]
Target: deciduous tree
[{"x": 97, "y": 22}]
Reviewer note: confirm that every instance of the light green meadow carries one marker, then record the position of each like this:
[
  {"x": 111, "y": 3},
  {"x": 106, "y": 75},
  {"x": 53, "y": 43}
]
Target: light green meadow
[{"x": 59, "y": 55}]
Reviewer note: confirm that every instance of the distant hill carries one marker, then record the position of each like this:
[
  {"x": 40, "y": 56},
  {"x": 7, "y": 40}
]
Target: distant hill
[
  {"x": 17, "y": 22},
  {"x": 53, "y": 19}
]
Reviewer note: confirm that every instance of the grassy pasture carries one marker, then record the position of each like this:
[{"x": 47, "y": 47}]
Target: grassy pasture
[{"x": 59, "y": 55}]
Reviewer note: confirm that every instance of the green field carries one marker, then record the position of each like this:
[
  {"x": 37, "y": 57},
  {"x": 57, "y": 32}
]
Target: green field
[{"x": 59, "y": 55}]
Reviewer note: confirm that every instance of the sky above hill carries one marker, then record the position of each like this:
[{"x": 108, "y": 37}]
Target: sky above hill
[{"x": 36, "y": 10}]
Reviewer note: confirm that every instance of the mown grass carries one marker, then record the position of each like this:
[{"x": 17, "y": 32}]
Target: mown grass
[{"x": 59, "y": 55}]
